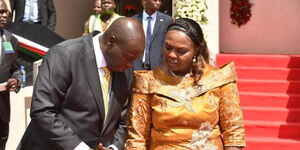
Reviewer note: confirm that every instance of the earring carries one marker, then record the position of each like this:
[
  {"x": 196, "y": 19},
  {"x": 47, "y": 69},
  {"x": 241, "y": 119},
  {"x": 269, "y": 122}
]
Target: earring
[{"x": 194, "y": 60}]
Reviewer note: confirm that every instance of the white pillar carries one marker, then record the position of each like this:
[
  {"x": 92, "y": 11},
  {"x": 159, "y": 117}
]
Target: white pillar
[{"x": 213, "y": 28}]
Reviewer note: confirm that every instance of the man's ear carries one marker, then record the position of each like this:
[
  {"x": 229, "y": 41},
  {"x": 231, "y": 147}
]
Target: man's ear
[{"x": 111, "y": 40}]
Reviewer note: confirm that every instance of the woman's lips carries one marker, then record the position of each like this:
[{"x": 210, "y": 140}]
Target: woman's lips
[{"x": 172, "y": 62}]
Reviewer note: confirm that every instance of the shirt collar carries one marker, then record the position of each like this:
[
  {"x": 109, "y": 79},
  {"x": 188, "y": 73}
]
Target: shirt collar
[
  {"x": 145, "y": 15},
  {"x": 100, "y": 60}
]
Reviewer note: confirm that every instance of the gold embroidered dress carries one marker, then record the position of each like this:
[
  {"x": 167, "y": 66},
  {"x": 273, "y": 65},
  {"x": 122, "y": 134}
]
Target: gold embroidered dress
[{"x": 173, "y": 113}]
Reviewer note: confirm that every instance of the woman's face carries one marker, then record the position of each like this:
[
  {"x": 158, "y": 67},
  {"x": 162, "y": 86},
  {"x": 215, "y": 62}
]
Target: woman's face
[{"x": 179, "y": 51}]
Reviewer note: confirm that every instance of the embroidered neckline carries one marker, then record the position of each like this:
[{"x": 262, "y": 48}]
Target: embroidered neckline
[{"x": 184, "y": 90}]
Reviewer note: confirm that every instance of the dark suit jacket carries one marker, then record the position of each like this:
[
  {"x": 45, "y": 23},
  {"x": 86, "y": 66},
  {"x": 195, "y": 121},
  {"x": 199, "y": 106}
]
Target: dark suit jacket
[
  {"x": 46, "y": 12},
  {"x": 157, "y": 41},
  {"x": 67, "y": 106},
  {"x": 9, "y": 68}
]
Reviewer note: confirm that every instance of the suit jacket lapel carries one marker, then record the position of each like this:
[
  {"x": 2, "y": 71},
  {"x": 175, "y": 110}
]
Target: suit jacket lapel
[
  {"x": 2, "y": 51},
  {"x": 91, "y": 72},
  {"x": 7, "y": 37},
  {"x": 158, "y": 22}
]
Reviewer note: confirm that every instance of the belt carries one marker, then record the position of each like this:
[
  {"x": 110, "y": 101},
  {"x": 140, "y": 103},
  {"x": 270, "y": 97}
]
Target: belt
[{"x": 146, "y": 66}]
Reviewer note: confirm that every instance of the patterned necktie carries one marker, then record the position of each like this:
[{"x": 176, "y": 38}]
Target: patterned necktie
[
  {"x": 148, "y": 40},
  {"x": 105, "y": 82}
]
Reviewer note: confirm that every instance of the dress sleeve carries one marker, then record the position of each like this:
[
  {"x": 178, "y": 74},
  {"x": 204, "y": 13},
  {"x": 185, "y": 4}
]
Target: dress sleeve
[
  {"x": 231, "y": 117},
  {"x": 139, "y": 122}
]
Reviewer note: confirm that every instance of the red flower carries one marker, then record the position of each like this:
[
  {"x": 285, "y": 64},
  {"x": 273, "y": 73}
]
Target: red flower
[{"x": 240, "y": 11}]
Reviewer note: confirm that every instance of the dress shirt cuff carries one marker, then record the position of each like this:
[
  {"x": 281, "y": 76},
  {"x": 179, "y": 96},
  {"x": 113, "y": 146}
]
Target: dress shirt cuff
[
  {"x": 82, "y": 146},
  {"x": 114, "y": 147}
]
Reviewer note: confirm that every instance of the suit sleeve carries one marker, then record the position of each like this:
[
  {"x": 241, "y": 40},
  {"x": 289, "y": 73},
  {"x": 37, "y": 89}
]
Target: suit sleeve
[
  {"x": 51, "y": 86},
  {"x": 15, "y": 66},
  {"x": 170, "y": 20},
  {"x": 51, "y": 15}
]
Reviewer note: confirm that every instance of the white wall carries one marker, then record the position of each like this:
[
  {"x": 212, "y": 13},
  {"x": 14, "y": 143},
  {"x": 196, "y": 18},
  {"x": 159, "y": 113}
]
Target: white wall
[
  {"x": 71, "y": 15},
  {"x": 213, "y": 28},
  {"x": 274, "y": 28},
  {"x": 19, "y": 116}
]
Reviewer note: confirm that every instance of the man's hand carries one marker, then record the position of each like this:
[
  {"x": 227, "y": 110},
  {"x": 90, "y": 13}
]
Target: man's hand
[
  {"x": 12, "y": 84},
  {"x": 101, "y": 147}
]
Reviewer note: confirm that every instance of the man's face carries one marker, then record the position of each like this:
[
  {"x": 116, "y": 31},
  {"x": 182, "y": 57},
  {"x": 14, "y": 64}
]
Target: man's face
[
  {"x": 120, "y": 57},
  {"x": 3, "y": 14},
  {"x": 151, "y": 5},
  {"x": 97, "y": 7},
  {"x": 108, "y": 6}
]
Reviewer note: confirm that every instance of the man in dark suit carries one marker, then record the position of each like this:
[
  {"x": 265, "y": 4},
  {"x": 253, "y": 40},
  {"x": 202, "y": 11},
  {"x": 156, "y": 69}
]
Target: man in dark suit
[
  {"x": 35, "y": 12},
  {"x": 10, "y": 74},
  {"x": 155, "y": 25},
  {"x": 69, "y": 110}
]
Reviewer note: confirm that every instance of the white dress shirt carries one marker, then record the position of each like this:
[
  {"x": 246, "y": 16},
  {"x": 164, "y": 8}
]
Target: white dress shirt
[{"x": 31, "y": 11}]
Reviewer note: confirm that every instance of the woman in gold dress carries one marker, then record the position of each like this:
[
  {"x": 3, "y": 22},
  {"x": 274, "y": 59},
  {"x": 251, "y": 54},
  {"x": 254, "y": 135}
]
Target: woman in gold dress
[{"x": 186, "y": 104}]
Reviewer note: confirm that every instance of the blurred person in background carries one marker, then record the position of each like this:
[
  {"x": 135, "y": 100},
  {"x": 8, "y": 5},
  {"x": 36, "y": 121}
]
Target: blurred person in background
[
  {"x": 94, "y": 21},
  {"x": 34, "y": 12},
  {"x": 108, "y": 15},
  {"x": 10, "y": 75},
  {"x": 155, "y": 25}
]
